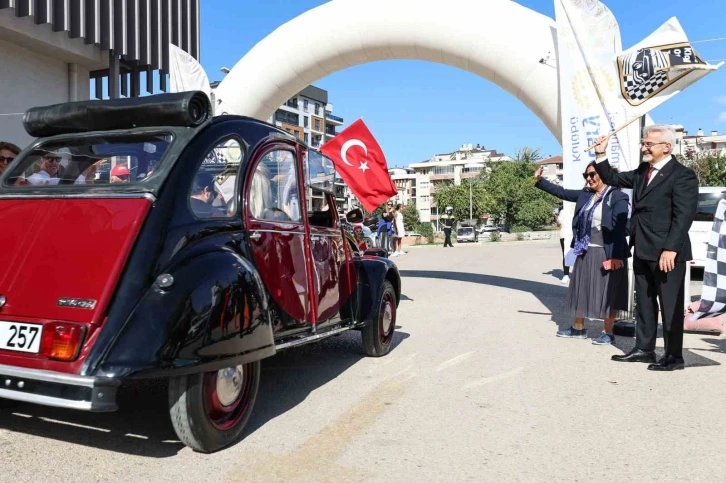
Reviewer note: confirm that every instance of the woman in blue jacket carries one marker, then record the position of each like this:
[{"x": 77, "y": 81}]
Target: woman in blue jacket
[{"x": 598, "y": 290}]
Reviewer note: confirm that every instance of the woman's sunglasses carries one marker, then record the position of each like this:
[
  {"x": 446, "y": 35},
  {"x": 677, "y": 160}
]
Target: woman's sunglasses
[{"x": 590, "y": 175}]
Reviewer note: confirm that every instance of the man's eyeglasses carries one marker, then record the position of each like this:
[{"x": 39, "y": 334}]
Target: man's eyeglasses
[
  {"x": 5, "y": 159},
  {"x": 590, "y": 175},
  {"x": 53, "y": 159},
  {"x": 650, "y": 145}
]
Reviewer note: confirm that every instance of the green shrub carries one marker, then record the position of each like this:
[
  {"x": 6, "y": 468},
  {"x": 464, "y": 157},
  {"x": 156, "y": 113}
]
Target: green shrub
[
  {"x": 426, "y": 231},
  {"x": 519, "y": 229},
  {"x": 520, "y": 236},
  {"x": 495, "y": 236}
]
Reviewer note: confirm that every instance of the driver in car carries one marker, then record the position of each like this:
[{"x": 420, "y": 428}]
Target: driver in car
[{"x": 203, "y": 195}]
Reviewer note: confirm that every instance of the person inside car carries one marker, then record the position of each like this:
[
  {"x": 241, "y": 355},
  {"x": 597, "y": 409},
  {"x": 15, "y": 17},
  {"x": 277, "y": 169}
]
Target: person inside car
[
  {"x": 203, "y": 195},
  {"x": 120, "y": 174},
  {"x": 8, "y": 152},
  {"x": 49, "y": 170},
  {"x": 358, "y": 233}
]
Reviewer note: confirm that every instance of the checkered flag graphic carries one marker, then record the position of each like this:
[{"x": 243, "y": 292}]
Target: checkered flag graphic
[
  {"x": 713, "y": 297},
  {"x": 641, "y": 91}
]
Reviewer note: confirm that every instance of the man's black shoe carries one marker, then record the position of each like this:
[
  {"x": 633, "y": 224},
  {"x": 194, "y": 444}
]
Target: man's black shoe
[
  {"x": 668, "y": 363},
  {"x": 635, "y": 355}
]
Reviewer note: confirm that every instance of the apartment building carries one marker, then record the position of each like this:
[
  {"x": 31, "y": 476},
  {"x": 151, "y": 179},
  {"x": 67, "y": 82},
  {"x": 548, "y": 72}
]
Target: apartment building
[
  {"x": 405, "y": 181},
  {"x": 553, "y": 169},
  {"x": 308, "y": 116},
  {"x": 448, "y": 168},
  {"x": 702, "y": 144}
]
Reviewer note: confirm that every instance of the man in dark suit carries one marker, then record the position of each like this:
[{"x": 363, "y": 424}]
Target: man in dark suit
[{"x": 665, "y": 198}]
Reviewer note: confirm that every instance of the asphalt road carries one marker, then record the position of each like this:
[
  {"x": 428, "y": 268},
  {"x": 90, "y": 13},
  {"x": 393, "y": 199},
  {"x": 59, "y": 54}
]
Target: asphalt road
[{"x": 477, "y": 389}]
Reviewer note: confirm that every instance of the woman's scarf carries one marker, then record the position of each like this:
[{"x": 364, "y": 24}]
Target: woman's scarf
[{"x": 583, "y": 228}]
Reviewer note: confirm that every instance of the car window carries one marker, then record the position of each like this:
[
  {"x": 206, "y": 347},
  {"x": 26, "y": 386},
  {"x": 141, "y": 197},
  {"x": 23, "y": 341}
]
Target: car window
[
  {"x": 213, "y": 193},
  {"x": 707, "y": 204},
  {"x": 91, "y": 160},
  {"x": 274, "y": 193}
]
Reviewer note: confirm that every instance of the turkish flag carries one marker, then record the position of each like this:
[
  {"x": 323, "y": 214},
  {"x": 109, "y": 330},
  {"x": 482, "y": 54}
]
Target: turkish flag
[{"x": 361, "y": 163}]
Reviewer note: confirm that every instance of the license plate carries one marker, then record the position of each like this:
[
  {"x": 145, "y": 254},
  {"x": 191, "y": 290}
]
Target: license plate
[{"x": 15, "y": 336}]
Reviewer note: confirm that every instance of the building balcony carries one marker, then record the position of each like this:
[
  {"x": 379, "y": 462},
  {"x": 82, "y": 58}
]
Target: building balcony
[
  {"x": 331, "y": 119},
  {"x": 331, "y": 132}
]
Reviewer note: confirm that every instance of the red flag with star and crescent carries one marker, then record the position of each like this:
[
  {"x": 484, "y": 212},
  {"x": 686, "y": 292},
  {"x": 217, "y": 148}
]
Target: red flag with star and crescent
[{"x": 361, "y": 163}]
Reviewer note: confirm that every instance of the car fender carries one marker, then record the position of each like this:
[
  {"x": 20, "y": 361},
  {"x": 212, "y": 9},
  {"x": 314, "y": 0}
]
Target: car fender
[
  {"x": 213, "y": 314},
  {"x": 372, "y": 273}
]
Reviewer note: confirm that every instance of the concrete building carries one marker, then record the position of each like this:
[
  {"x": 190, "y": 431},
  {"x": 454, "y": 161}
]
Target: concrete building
[
  {"x": 448, "y": 168},
  {"x": 308, "y": 116},
  {"x": 553, "y": 169},
  {"x": 703, "y": 144},
  {"x": 50, "y": 51},
  {"x": 405, "y": 181}
]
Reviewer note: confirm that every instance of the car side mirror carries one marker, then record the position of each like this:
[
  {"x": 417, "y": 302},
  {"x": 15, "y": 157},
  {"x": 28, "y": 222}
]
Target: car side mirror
[{"x": 354, "y": 216}]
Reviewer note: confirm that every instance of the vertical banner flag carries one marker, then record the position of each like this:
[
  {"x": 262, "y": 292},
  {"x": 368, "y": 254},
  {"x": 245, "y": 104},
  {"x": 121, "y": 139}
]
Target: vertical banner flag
[
  {"x": 186, "y": 74},
  {"x": 588, "y": 37},
  {"x": 360, "y": 162}
]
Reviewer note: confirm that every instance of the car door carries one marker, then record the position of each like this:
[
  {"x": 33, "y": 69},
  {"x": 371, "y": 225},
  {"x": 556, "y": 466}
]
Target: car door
[
  {"x": 276, "y": 233},
  {"x": 329, "y": 268}
]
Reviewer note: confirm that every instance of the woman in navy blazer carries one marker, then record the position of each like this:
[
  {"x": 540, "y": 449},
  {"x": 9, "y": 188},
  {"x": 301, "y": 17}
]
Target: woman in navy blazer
[{"x": 599, "y": 283}]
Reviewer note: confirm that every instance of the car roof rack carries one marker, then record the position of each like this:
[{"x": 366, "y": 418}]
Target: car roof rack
[{"x": 184, "y": 109}]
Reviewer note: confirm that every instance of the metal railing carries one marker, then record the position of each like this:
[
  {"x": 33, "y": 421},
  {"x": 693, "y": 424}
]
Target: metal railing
[{"x": 332, "y": 117}]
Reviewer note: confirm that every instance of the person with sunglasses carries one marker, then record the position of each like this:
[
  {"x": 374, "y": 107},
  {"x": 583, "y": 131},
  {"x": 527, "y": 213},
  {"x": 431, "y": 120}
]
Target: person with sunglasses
[
  {"x": 665, "y": 201},
  {"x": 8, "y": 152},
  {"x": 598, "y": 286},
  {"x": 48, "y": 174}
]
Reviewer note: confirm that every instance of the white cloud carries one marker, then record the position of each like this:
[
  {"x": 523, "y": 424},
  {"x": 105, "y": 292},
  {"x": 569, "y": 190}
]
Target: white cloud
[
  {"x": 721, "y": 100},
  {"x": 722, "y": 117}
]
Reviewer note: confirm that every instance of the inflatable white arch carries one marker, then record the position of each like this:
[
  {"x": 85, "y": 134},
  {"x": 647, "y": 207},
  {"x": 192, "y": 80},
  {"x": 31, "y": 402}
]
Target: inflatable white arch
[{"x": 498, "y": 40}]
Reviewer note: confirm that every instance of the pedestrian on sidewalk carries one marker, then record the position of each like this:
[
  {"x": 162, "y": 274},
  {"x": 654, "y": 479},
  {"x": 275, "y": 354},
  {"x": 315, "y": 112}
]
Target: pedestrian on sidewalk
[
  {"x": 599, "y": 282},
  {"x": 398, "y": 231},
  {"x": 564, "y": 228},
  {"x": 665, "y": 199},
  {"x": 385, "y": 228},
  {"x": 448, "y": 220}
]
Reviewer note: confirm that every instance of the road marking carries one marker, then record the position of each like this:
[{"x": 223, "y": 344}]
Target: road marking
[
  {"x": 316, "y": 459},
  {"x": 456, "y": 360},
  {"x": 487, "y": 380},
  {"x": 397, "y": 359}
]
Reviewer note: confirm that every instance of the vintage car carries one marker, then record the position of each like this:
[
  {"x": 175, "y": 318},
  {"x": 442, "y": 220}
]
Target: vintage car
[{"x": 145, "y": 238}]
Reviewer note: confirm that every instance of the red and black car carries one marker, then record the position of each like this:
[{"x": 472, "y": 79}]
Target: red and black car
[{"x": 145, "y": 238}]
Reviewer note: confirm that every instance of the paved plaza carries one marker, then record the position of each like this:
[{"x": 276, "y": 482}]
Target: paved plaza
[{"x": 478, "y": 389}]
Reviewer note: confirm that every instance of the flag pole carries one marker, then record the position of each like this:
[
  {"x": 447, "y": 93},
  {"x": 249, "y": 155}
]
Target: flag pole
[{"x": 616, "y": 130}]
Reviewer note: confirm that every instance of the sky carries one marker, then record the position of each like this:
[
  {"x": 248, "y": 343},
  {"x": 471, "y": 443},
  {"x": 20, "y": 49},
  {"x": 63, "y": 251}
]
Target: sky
[{"x": 416, "y": 109}]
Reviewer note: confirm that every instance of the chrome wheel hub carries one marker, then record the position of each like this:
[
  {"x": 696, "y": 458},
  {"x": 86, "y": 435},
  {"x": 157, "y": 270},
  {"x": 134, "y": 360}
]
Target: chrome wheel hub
[
  {"x": 387, "y": 318},
  {"x": 229, "y": 384}
]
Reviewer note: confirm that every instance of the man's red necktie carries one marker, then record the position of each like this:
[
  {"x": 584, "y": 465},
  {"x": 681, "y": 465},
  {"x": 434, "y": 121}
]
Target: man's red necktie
[{"x": 647, "y": 176}]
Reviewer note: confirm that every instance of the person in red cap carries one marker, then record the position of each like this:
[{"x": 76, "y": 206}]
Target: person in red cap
[{"x": 120, "y": 174}]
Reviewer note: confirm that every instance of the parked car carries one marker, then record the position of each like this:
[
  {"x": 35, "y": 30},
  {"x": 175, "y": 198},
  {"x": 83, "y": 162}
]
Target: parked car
[
  {"x": 700, "y": 232},
  {"x": 493, "y": 228},
  {"x": 466, "y": 234},
  {"x": 194, "y": 272}
]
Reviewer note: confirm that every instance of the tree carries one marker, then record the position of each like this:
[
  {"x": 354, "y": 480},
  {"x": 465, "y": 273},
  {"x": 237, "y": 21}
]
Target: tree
[
  {"x": 710, "y": 168},
  {"x": 411, "y": 220},
  {"x": 458, "y": 198},
  {"x": 509, "y": 195},
  {"x": 527, "y": 155}
]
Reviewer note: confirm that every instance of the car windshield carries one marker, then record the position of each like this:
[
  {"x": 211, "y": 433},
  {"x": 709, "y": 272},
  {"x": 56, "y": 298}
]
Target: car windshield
[
  {"x": 707, "y": 204},
  {"x": 90, "y": 160},
  {"x": 464, "y": 231}
]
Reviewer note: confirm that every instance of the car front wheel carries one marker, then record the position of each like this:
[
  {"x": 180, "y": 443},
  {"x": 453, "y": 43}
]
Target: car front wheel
[
  {"x": 209, "y": 411},
  {"x": 378, "y": 334}
]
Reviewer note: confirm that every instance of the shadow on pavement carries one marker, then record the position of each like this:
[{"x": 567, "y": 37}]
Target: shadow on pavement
[
  {"x": 553, "y": 297},
  {"x": 142, "y": 427}
]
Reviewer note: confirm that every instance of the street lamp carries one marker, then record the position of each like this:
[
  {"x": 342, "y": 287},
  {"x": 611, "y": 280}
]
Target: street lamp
[{"x": 472, "y": 165}]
